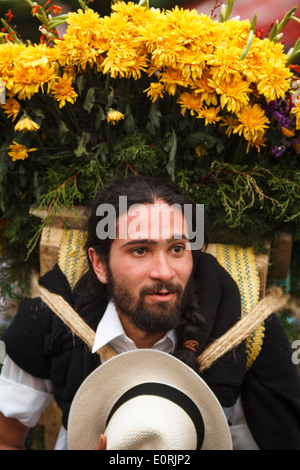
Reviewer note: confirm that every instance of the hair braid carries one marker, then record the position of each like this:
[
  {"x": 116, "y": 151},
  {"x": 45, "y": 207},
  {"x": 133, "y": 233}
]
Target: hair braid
[{"x": 190, "y": 329}]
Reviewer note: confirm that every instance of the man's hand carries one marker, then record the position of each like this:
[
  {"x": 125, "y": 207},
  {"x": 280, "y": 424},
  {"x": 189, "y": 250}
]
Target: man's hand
[
  {"x": 102, "y": 443},
  {"x": 12, "y": 434}
]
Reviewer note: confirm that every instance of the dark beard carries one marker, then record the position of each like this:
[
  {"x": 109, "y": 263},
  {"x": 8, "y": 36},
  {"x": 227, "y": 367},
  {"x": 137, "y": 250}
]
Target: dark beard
[{"x": 157, "y": 318}]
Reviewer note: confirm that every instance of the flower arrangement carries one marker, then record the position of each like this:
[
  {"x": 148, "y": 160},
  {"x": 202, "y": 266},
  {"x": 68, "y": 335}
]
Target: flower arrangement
[{"x": 209, "y": 104}]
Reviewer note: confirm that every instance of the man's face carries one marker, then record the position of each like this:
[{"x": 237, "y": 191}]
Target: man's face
[{"x": 150, "y": 266}]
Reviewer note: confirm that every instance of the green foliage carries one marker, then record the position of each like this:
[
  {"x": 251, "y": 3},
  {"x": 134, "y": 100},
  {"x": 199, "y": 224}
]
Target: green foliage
[{"x": 248, "y": 194}]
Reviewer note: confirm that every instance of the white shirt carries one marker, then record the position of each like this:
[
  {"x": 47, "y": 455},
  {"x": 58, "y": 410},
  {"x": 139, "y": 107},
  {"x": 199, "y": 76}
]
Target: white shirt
[{"x": 24, "y": 397}]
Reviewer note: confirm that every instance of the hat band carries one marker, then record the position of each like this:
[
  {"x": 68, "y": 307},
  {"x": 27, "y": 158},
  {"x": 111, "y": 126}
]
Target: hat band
[{"x": 170, "y": 393}]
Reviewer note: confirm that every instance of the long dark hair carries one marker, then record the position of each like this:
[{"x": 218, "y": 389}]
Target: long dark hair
[{"x": 142, "y": 190}]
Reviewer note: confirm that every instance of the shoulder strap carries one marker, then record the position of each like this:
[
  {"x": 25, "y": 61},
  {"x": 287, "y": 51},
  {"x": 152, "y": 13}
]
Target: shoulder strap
[
  {"x": 241, "y": 264},
  {"x": 241, "y": 330},
  {"x": 72, "y": 320},
  {"x": 244, "y": 328}
]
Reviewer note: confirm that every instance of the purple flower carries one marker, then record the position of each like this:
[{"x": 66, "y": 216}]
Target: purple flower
[{"x": 278, "y": 151}]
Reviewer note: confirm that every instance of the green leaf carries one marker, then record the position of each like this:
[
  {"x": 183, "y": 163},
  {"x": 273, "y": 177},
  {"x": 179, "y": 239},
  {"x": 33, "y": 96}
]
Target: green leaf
[
  {"x": 89, "y": 100},
  {"x": 81, "y": 148},
  {"x": 171, "y": 147}
]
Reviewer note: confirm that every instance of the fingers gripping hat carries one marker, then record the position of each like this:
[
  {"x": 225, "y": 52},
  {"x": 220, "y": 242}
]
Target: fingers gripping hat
[{"x": 147, "y": 400}]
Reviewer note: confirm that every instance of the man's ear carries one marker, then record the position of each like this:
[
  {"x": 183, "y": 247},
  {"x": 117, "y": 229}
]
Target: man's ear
[{"x": 98, "y": 265}]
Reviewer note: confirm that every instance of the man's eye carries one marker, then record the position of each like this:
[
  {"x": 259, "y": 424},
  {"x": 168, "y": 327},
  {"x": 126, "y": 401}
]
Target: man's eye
[
  {"x": 178, "y": 249},
  {"x": 139, "y": 251}
]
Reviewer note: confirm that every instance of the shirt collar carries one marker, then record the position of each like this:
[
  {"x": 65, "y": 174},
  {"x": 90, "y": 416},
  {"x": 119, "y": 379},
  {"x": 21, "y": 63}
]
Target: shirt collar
[{"x": 110, "y": 331}]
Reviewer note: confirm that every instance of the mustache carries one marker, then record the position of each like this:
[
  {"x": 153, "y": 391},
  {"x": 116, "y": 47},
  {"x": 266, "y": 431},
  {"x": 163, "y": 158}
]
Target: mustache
[{"x": 162, "y": 287}]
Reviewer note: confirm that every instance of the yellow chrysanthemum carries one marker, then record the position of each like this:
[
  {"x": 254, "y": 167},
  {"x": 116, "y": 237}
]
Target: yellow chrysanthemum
[
  {"x": 257, "y": 141},
  {"x": 252, "y": 123},
  {"x": 296, "y": 111},
  {"x": 63, "y": 91},
  {"x": 230, "y": 122},
  {"x": 236, "y": 32},
  {"x": 205, "y": 90},
  {"x": 191, "y": 63},
  {"x": 210, "y": 114},
  {"x": 26, "y": 124},
  {"x": 172, "y": 79},
  {"x": 83, "y": 25},
  {"x": 124, "y": 63},
  {"x": 288, "y": 132},
  {"x": 155, "y": 91},
  {"x": 190, "y": 101},
  {"x": 136, "y": 13},
  {"x": 8, "y": 57},
  {"x": 273, "y": 82},
  {"x": 197, "y": 33},
  {"x": 114, "y": 116},
  {"x": 70, "y": 72},
  {"x": 225, "y": 62},
  {"x": 11, "y": 108},
  {"x": 234, "y": 92},
  {"x": 19, "y": 152},
  {"x": 35, "y": 67}
]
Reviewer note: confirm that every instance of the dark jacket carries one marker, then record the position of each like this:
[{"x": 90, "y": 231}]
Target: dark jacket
[{"x": 43, "y": 346}]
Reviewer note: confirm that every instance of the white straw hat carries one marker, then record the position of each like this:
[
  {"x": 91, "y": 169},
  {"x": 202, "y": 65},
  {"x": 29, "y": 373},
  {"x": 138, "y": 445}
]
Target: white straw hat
[{"x": 147, "y": 400}]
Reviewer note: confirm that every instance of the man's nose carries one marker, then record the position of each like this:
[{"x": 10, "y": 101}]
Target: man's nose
[{"x": 162, "y": 268}]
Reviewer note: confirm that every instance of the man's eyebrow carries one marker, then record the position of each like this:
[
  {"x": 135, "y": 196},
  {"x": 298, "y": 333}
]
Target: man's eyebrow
[{"x": 146, "y": 241}]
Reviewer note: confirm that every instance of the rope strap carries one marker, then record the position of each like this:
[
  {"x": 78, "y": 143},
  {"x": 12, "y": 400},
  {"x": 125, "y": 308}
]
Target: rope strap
[
  {"x": 273, "y": 301},
  {"x": 79, "y": 327}
]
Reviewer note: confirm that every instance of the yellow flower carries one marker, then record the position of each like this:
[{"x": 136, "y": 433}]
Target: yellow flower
[
  {"x": 123, "y": 63},
  {"x": 230, "y": 121},
  {"x": 210, "y": 114},
  {"x": 288, "y": 132},
  {"x": 190, "y": 101},
  {"x": 191, "y": 63},
  {"x": 206, "y": 92},
  {"x": 11, "y": 108},
  {"x": 224, "y": 63},
  {"x": 236, "y": 32},
  {"x": 234, "y": 92},
  {"x": 83, "y": 25},
  {"x": 114, "y": 116},
  {"x": 172, "y": 79},
  {"x": 200, "y": 150},
  {"x": 154, "y": 91},
  {"x": 8, "y": 56},
  {"x": 63, "y": 91},
  {"x": 273, "y": 82},
  {"x": 252, "y": 123},
  {"x": 19, "y": 152},
  {"x": 34, "y": 68},
  {"x": 26, "y": 124},
  {"x": 256, "y": 141},
  {"x": 296, "y": 111}
]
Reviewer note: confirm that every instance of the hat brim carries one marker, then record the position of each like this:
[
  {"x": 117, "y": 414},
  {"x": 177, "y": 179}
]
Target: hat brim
[{"x": 102, "y": 389}]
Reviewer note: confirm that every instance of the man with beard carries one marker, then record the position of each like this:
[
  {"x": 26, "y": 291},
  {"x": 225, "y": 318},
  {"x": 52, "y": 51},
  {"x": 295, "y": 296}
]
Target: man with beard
[{"x": 146, "y": 288}]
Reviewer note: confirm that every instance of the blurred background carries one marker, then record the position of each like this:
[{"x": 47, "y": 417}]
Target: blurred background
[{"x": 268, "y": 11}]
